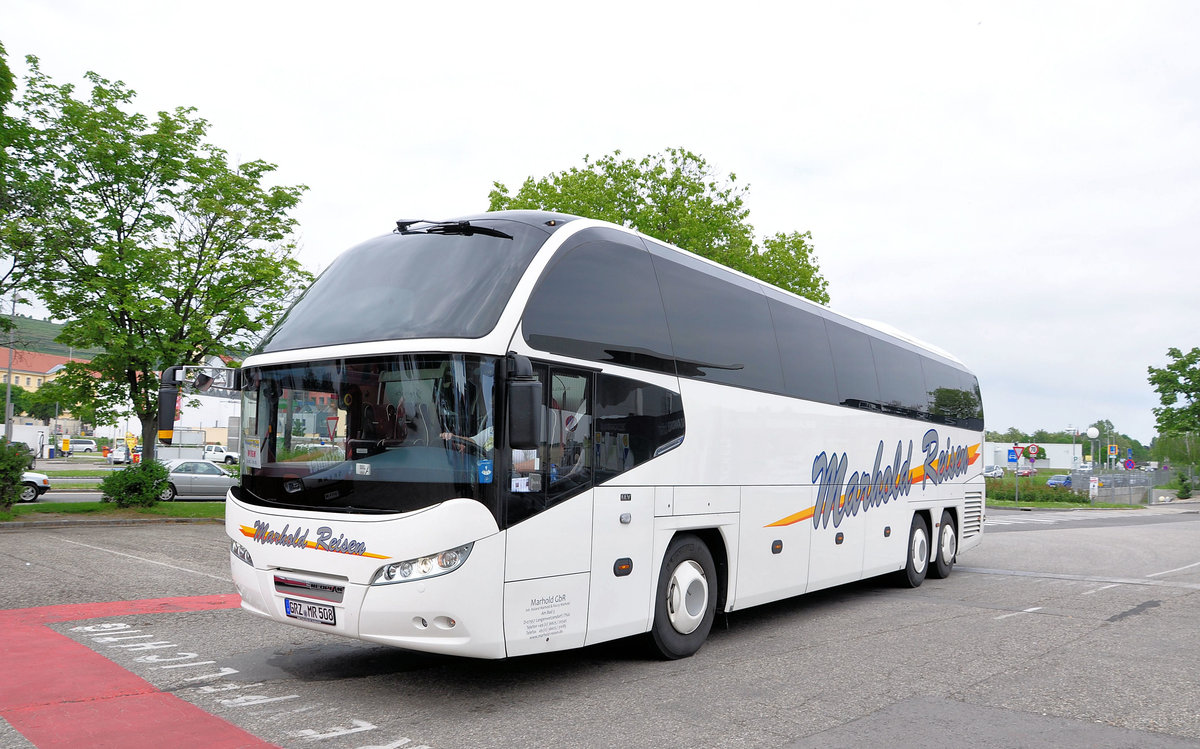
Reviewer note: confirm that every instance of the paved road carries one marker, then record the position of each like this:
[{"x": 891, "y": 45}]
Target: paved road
[{"x": 1079, "y": 633}]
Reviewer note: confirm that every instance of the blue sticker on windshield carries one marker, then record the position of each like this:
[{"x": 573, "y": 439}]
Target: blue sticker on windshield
[{"x": 485, "y": 471}]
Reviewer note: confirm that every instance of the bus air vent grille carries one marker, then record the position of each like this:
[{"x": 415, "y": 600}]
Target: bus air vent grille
[{"x": 972, "y": 522}]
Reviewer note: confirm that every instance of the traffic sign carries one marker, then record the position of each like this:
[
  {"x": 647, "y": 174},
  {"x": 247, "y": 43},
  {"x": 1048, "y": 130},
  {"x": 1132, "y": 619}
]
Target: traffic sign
[
  {"x": 1112, "y": 451},
  {"x": 1130, "y": 465},
  {"x": 1032, "y": 451},
  {"x": 1012, "y": 456}
]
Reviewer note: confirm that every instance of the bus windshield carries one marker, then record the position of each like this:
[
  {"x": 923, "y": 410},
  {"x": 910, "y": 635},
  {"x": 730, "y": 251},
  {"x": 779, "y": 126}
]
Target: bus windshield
[
  {"x": 386, "y": 434},
  {"x": 406, "y": 286}
]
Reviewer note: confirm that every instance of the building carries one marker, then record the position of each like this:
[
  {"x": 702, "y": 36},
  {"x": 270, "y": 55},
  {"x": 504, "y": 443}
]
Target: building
[
  {"x": 1058, "y": 456},
  {"x": 31, "y": 369}
]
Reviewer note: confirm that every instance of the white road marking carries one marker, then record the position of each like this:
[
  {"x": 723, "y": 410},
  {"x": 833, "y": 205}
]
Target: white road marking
[{"x": 148, "y": 561}]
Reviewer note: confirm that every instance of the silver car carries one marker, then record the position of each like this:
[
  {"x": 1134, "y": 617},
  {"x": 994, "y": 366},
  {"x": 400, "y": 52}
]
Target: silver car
[{"x": 196, "y": 478}]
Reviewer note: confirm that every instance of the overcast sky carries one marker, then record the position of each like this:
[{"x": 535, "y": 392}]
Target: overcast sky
[{"x": 1015, "y": 182}]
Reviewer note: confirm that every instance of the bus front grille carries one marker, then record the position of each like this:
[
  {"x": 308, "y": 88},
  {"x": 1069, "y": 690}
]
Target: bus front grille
[{"x": 321, "y": 591}]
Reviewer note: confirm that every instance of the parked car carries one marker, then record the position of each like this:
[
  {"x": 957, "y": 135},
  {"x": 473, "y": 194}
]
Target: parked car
[
  {"x": 27, "y": 452},
  {"x": 119, "y": 454},
  {"x": 1022, "y": 472},
  {"x": 196, "y": 478},
  {"x": 993, "y": 472},
  {"x": 1059, "y": 479},
  {"x": 33, "y": 485}
]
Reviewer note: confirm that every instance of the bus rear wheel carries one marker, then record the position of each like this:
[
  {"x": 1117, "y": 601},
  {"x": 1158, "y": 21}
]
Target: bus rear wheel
[
  {"x": 917, "y": 566},
  {"x": 947, "y": 548},
  {"x": 686, "y": 603}
]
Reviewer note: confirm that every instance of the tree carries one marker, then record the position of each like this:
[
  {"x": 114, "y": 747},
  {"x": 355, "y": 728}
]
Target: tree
[
  {"x": 22, "y": 400},
  {"x": 674, "y": 196},
  {"x": 13, "y": 209},
  {"x": 1178, "y": 387},
  {"x": 148, "y": 242},
  {"x": 54, "y": 399}
]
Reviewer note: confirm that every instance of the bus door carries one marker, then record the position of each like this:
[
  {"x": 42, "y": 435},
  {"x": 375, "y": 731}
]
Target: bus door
[{"x": 548, "y": 506}]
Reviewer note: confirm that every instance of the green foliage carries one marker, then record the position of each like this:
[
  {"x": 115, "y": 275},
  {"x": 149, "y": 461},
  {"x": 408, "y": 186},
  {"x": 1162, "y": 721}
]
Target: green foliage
[
  {"x": 1178, "y": 387},
  {"x": 1185, "y": 485},
  {"x": 1033, "y": 493},
  {"x": 14, "y": 461},
  {"x": 146, "y": 239},
  {"x": 673, "y": 196},
  {"x": 12, "y": 133},
  {"x": 138, "y": 485},
  {"x": 52, "y": 399}
]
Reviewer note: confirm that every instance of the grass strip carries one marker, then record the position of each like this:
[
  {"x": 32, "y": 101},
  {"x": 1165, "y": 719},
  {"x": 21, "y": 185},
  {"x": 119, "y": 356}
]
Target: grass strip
[{"x": 57, "y": 510}]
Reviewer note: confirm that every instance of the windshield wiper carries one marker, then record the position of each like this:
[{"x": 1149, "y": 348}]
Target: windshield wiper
[{"x": 464, "y": 228}]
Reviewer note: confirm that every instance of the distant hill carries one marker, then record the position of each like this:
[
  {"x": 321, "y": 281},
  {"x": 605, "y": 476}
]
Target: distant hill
[{"x": 39, "y": 335}]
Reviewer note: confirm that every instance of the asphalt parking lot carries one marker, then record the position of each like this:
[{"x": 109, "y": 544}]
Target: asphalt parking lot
[{"x": 1077, "y": 631}]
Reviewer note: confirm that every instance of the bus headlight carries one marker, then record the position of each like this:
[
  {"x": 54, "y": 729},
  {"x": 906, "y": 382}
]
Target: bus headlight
[
  {"x": 241, "y": 552},
  {"x": 422, "y": 568}
]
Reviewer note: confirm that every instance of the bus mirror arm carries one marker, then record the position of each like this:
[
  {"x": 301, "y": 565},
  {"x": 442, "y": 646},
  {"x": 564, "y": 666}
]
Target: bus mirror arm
[
  {"x": 524, "y": 405},
  {"x": 168, "y": 390}
]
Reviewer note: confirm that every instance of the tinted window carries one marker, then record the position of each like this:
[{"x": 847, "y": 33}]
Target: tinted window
[
  {"x": 901, "y": 382},
  {"x": 598, "y": 300},
  {"x": 720, "y": 326},
  {"x": 635, "y": 422},
  {"x": 854, "y": 366},
  {"x": 804, "y": 352},
  {"x": 561, "y": 466},
  {"x": 952, "y": 395},
  {"x": 401, "y": 286}
]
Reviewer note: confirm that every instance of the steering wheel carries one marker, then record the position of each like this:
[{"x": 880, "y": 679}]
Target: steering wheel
[{"x": 462, "y": 444}]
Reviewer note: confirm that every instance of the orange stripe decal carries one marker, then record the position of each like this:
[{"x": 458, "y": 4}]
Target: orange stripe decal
[{"x": 792, "y": 519}]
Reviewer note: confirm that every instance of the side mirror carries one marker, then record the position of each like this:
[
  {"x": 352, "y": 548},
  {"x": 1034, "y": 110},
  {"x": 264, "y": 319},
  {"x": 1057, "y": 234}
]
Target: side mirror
[
  {"x": 168, "y": 391},
  {"x": 524, "y": 406}
]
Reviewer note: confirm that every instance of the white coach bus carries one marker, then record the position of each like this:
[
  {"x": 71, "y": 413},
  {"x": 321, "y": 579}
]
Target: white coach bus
[{"x": 521, "y": 432}]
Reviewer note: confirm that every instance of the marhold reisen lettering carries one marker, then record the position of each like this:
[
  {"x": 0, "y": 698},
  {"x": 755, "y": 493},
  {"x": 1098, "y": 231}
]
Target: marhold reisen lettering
[
  {"x": 873, "y": 488},
  {"x": 324, "y": 541}
]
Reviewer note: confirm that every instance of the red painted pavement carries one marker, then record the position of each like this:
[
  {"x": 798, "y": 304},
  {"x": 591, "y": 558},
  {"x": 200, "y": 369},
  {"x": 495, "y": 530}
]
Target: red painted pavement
[{"x": 60, "y": 693}]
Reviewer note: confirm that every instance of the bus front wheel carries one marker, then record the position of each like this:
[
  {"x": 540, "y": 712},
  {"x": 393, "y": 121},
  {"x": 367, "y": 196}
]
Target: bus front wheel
[
  {"x": 915, "y": 570},
  {"x": 686, "y": 603},
  {"x": 947, "y": 548}
]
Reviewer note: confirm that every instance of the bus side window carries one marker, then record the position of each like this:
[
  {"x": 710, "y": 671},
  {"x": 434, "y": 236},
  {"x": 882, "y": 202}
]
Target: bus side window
[
  {"x": 635, "y": 422},
  {"x": 568, "y": 460},
  {"x": 561, "y": 467}
]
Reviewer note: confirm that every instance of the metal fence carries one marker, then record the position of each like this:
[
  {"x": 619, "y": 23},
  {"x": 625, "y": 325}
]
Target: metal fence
[{"x": 1126, "y": 487}]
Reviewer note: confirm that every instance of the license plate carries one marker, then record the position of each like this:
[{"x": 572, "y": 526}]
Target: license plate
[{"x": 309, "y": 612}]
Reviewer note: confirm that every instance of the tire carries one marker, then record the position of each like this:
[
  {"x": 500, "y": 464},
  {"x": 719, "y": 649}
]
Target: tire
[
  {"x": 167, "y": 494},
  {"x": 88, "y": 450},
  {"x": 686, "y": 603},
  {"x": 947, "y": 548},
  {"x": 29, "y": 492},
  {"x": 229, "y": 460},
  {"x": 917, "y": 566}
]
